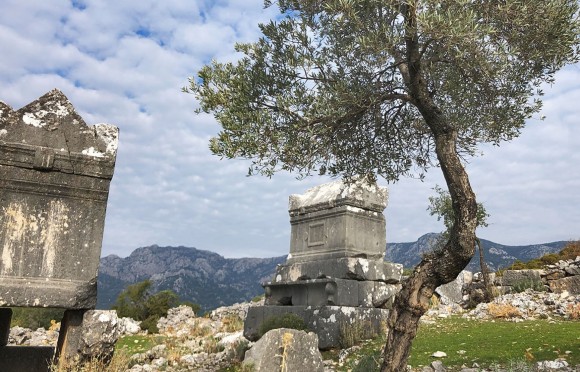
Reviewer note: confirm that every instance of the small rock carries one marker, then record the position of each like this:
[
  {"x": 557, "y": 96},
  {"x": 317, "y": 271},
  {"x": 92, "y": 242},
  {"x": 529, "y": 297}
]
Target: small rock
[
  {"x": 343, "y": 354},
  {"x": 188, "y": 359},
  {"x": 439, "y": 354},
  {"x": 128, "y": 326},
  {"x": 159, "y": 362},
  {"x": 437, "y": 366},
  {"x": 549, "y": 365}
]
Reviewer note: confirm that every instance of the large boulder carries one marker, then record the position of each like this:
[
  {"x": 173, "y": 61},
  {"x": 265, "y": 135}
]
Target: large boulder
[
  {"x": 520, "y": 277},
  {"x": 285, "y": 349},
  {"x": 129, "y": 326},
  {"x": 570, "y": 284},
  {"x": 100, "y": 332},
  {"x": 453, "y": 292}
]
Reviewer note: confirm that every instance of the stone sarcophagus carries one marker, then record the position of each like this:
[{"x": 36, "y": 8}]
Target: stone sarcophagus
[
  {"x": 55, "y": 173},
  {"x": 337, "y": 220},
  {"x": 335, "y": 275}
]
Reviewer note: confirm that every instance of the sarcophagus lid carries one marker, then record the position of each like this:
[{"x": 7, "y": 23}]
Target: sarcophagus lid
[{"x": 55, "y": 173}]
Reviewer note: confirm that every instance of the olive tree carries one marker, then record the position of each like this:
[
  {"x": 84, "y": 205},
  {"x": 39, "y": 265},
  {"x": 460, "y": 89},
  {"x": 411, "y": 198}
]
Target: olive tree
[
  {"x": 442, "y": 206},
  {"x": 390, "y": 88}
]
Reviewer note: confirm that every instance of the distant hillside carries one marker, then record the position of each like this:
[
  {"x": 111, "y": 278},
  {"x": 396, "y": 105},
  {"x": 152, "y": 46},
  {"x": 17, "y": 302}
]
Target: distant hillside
[
  {"x": 496, "y": 255},
  {"x": 199, "y": 276},
  {"x": 211, "y": 280}
]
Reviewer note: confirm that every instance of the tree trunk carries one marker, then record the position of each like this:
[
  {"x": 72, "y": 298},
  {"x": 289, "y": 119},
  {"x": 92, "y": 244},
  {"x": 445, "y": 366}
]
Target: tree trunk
[
  {"x": 439, "y": 267},
  {"x": 442, "y": 265},
  {"x": 487, "y": 295}
]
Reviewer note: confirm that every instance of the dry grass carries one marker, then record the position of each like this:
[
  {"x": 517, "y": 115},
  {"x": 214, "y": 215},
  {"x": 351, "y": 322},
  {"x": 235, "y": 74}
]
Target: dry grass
[
  {"x": 573, "y": 311},
  {"x": 232, "y": 323},
  {"x": 353, "y": 333},
  {"x": 503, "y": 311},
  {"x": 434, "y": 302},
  {"x": 200, "y": 329},
  {"x": 287, "y": 339},
  {"x": 119, "y": 363},
  {"x": 211, "y": 345}
]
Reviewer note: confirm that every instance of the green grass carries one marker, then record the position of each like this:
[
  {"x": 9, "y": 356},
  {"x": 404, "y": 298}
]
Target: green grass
[
  {"x": 138, "y": 343},
  {"x": 487, "y": 342},
  {"x": 484, "y": 342}
]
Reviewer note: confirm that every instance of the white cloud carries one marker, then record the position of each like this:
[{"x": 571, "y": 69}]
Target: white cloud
[{"x": 124, "y": 62}]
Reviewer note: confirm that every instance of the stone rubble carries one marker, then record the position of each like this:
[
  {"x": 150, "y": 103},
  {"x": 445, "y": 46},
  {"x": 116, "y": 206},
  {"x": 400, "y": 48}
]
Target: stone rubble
[
  {"x": 213, "y": 349},
  {"x": 530, "y": 305},
  {"x": 207, "y": 344},
  {"x": 27, "y": 337}
]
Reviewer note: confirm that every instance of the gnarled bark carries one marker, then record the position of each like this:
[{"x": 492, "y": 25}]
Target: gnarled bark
[{"x": 437, "y": 268}]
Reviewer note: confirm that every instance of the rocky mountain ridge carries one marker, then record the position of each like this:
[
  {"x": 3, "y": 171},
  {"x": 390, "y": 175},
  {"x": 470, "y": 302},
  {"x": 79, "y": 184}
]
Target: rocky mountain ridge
[
  {"x": 199, "y": 276},
  {"x": 211, "y": 280},
  {"x": 497, "y": 256}
]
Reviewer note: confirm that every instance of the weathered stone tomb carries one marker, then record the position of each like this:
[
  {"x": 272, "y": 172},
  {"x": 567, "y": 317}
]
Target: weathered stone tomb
[
  {"x": 55, "y": 173},
  {"x": 335, "y": 274}
]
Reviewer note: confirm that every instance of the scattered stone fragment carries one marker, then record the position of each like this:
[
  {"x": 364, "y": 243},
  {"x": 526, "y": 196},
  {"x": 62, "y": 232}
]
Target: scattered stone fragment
[
  {"x": 437, "y": 366},
  {"x": 551, "y": 365},
  {"x": 439, "y": 354}
]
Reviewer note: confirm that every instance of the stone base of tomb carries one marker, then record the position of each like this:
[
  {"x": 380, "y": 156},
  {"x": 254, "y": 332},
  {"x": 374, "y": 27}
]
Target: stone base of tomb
[
  {"x": 342, "y": 268},
  {"x": 336, "y": 326},
  {"x": 330, "y": 292},
  {"x": 29, "y": 358}
]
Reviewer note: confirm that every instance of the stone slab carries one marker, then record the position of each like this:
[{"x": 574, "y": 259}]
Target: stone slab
[
  {"x": 515, "y": 277},
  {"x": 55, "y": 173},
  {"x": 377, "y": 294},
  {"x": 359, "y": 193},
  {"x": 342, "y": 268},
  {"x": 26, "y": 358},
  {"x": 322, "y": 292},
  {"x": 453, "y": 292},
  {"x": 330, "y": 323},
  {"x": 42, "y": 292},
  {"x": 571, "y": 284},
  {"x": 314, "y": 292}
]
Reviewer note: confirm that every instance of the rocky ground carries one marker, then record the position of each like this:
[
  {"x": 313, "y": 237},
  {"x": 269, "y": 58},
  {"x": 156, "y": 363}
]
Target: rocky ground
[{"x": 191, "y": 343}]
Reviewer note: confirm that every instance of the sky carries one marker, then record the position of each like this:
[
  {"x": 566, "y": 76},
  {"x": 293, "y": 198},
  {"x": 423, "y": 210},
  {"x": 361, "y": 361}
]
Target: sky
[{"x": 124, "y": 62}]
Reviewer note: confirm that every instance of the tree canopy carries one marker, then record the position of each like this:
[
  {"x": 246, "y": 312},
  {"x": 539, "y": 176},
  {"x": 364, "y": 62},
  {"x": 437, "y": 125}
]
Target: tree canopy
[
  {"x": 330, "y": 86},
  {"x": 138, "y": 302},
  {"x": 390, "y": 88}
]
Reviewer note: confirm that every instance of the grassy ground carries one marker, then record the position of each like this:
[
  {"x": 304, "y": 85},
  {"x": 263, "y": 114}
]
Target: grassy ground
[
  {"x": 137, "y": 344},
  {"x": 465, "y": 342},
  {"x": 486, "y": 343}
]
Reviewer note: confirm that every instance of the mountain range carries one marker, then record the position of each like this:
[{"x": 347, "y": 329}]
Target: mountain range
[
  {"x": 199, "y": 276},
  {"x": 496, "y": 255},
  {"x": 210, "y": 280}
]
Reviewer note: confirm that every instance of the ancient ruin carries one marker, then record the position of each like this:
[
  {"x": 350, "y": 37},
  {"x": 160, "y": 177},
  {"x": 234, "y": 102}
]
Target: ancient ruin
[
  {"x": 335, "y": 276},
  {"x": 55, "y": 173}
]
